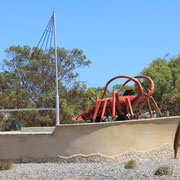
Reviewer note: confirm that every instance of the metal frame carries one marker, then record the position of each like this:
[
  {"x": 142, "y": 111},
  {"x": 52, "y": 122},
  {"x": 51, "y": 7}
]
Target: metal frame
[{"x": 27, "y": 109}]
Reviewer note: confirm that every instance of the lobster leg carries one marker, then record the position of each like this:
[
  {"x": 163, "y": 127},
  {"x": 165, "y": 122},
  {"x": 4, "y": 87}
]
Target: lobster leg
[
  {"x": 156, "y": 106},
  {"x": 118, "y": 104},
  {"x": 104, "y": 109},
  {"x": 114, "y": 105},
  {"x": 149, "y": 106},
  {"x": 129, "y": 107},
  {"x": 96, "y": 110}
]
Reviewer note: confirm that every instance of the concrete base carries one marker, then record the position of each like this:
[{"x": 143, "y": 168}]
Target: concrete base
[
  {"x": 164, "y": 152},
  {"x": 145, "y": 139},
  {"x": 38, "y": 129}
]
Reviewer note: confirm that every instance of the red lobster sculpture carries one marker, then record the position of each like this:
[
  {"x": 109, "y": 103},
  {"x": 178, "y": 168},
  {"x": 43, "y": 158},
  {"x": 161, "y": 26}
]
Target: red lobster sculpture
[{"x": 119, "y": 106}]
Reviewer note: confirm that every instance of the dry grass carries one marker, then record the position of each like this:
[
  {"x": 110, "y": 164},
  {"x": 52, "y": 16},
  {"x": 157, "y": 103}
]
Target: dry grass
[
  {"x": 131, "y": 165},
  {"x": 6, "y": 165},
  {"x": 164, "y": 170}
]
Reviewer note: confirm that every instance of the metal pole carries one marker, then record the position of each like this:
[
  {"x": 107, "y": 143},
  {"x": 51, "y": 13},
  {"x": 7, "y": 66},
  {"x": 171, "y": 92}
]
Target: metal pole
[
  {"x": 57, "y": 95},
  {"x": 27, "y": 109}
]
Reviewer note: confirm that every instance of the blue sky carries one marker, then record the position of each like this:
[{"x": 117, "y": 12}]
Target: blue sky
[{"x": 119, "y": 37}]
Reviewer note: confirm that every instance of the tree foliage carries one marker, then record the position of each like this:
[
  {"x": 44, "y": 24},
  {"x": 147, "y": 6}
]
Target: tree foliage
[
  {"x": 28, "y": 81},
  {"x": 166, "y": 77},
  {"x": 174, "y": 65},
  {"x": 160, "y": 72}
]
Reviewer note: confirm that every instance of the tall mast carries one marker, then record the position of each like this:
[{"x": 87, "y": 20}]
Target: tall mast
[{"x": 57, "y": 95}]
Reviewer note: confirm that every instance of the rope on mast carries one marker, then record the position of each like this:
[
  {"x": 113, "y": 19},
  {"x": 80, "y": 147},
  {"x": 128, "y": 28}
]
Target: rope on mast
[{"x": 46, "y": 37}]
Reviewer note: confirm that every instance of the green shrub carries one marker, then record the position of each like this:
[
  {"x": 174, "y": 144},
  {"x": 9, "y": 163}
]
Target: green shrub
[
  {"x": 131, "y": 165},
  {"x": 164, "y": 170},
  {"x": 6, "y": 165},
  {"x": 3, "y": 119}
]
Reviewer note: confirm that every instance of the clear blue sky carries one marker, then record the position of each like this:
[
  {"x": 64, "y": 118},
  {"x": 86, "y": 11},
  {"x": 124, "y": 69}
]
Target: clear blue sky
[{"x": 119, "y": 37}]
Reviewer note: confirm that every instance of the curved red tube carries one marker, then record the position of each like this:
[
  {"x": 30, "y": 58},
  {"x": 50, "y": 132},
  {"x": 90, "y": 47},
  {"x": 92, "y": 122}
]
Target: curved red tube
[
  {"x": 145, "y": 77},
  {"x": 128, "y": 77}
]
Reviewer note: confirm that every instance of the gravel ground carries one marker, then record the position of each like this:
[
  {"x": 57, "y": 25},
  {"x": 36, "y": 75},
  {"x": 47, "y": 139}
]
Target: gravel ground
[{"x": 89, "y": 171}]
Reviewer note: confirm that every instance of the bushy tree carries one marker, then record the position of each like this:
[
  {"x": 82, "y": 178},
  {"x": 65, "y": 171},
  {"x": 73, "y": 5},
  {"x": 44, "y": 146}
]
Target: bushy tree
[
  {"x": 166, "y": 77},
  {"x": 174, "y": 64},
  {"x": 159, "y": 71},
  {"x": 28, "y": 80}
]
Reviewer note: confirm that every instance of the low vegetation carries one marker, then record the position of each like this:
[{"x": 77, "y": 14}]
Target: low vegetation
[
  {"x": 164, "y": 170},
  {"x": 131, "y": 165},
  {"x": 6, "y": 165}
]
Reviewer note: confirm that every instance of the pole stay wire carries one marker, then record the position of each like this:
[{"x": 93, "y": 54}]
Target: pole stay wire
[{"x": 46, "y": 38}]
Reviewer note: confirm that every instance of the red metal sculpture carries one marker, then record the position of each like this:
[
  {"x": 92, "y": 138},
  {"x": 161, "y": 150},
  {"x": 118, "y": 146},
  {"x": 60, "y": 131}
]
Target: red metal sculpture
[{"x": 118, "y": 107}]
